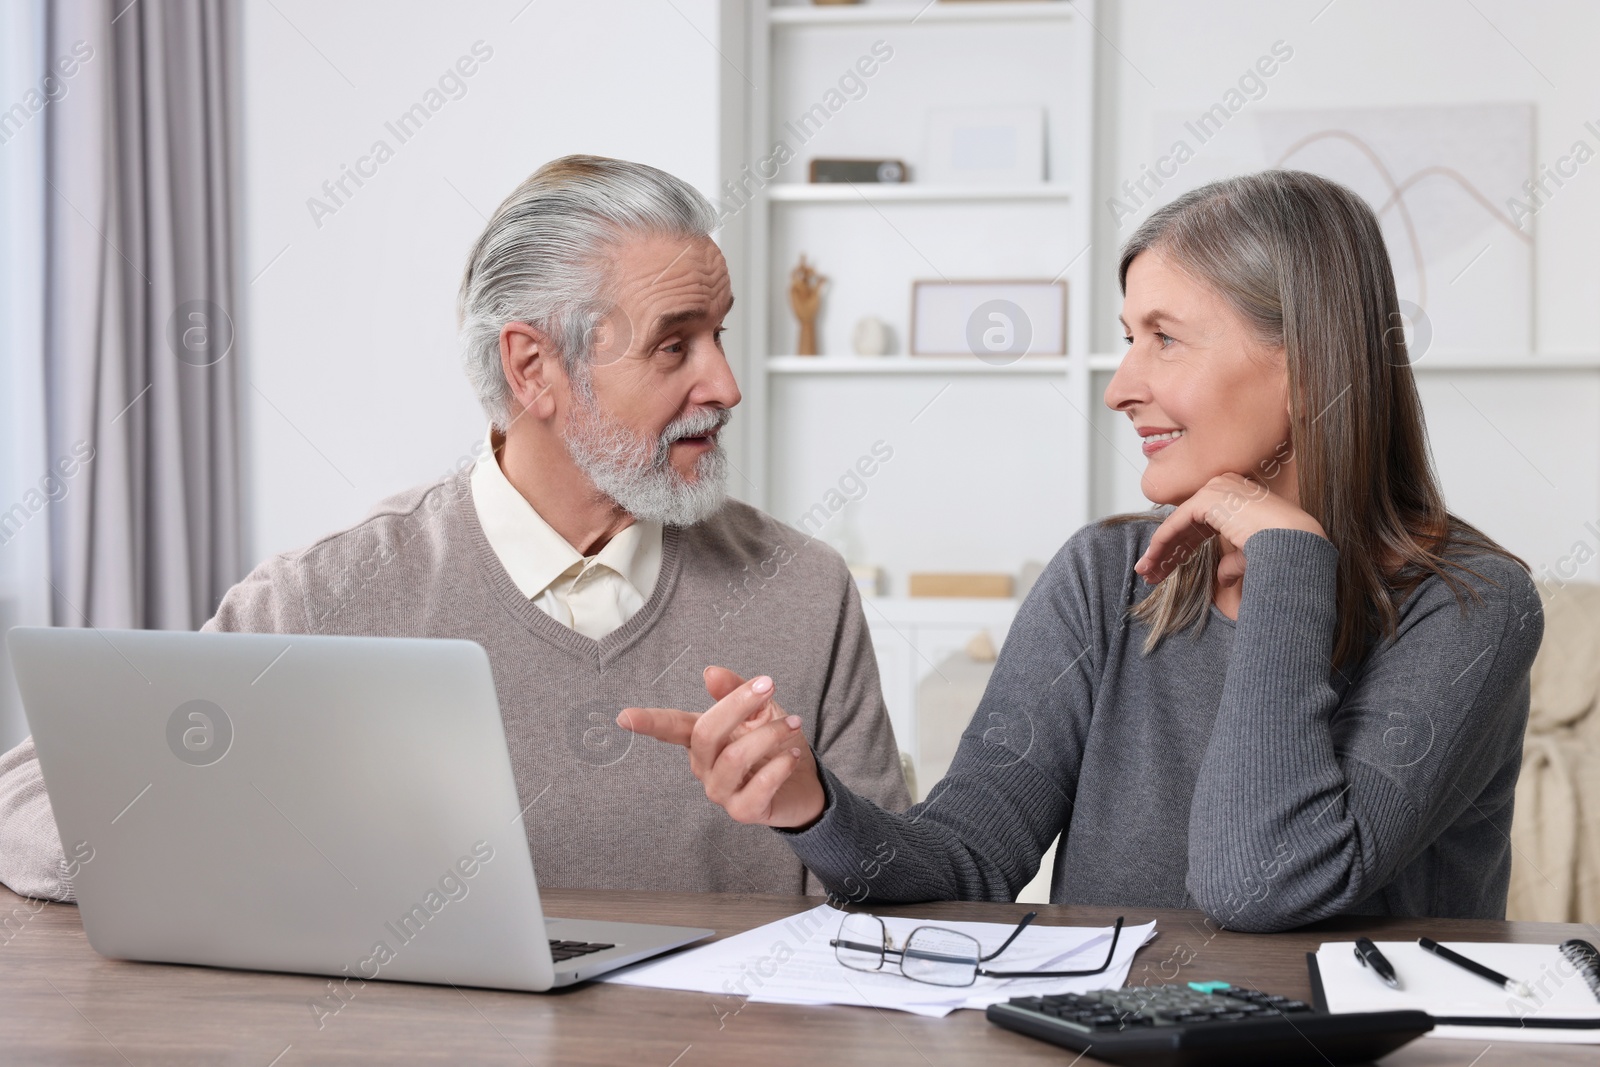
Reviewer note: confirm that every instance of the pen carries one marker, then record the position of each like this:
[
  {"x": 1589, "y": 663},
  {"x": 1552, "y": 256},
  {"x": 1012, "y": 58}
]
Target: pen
[
  {"x": 1510, "y": 985},
  {"x": 1369, "y": 956}
]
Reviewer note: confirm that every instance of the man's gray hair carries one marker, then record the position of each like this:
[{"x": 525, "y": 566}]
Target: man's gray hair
[{"x": 542, "y": 260}]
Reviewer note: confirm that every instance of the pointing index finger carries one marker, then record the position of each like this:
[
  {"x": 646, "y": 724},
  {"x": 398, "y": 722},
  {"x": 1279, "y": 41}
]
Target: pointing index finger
[{"x": 664, "y": 724}]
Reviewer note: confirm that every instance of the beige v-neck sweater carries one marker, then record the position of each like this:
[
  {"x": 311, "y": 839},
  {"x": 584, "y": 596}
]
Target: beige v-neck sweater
[{"x": 607, "y": 809}]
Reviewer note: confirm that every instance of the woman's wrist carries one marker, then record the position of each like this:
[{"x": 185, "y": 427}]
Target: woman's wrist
[{"x": 822, "y": 808}]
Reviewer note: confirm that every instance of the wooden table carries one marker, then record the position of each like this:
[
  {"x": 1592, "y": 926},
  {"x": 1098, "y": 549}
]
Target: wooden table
[{"x": 60, "y": 1002}]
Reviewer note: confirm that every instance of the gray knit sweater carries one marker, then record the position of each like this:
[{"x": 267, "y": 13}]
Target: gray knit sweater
[
  {"x": 607, "y": 809},
  {"x": 1236, "y": 771}
]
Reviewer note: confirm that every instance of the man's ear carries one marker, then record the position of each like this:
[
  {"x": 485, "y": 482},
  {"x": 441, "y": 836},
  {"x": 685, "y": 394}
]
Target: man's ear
[{"x": 531, "y": 367}]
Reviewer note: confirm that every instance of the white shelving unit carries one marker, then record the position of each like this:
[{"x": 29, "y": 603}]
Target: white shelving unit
[
  {"x": 874, "y": 240},
  {"x": 810, "y": 418}
]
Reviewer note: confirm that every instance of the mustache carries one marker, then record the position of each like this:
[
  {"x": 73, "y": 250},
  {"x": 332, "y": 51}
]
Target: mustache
[{"x": 695, "y": 424}]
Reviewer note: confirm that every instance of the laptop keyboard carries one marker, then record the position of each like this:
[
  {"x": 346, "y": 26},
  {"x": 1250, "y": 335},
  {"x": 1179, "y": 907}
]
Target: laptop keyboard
[{"x": 566, "y": 950}]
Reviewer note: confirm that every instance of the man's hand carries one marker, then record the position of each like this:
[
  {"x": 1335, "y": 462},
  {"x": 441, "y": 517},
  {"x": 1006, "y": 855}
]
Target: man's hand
[
  {"x": 750, "y": 756},
  {"x": 1231, "y": 505}
]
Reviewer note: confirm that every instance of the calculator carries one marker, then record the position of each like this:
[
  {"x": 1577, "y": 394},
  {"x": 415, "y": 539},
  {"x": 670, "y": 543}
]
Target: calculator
[{"x": 1206, "y": 1023}]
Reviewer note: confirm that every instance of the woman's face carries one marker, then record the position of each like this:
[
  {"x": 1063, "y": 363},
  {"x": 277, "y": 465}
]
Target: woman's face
[{"x": 1194, "y": 365}]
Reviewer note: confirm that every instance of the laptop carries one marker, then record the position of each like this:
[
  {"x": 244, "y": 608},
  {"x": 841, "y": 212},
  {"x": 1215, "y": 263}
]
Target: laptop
[{"x": 326, "y": 805}]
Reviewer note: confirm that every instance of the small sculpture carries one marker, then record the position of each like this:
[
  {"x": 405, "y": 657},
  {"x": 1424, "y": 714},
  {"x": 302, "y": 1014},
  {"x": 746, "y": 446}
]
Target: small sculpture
[
  {"x": 805, "y": 297},
  {"x": 871, "y": 337}
]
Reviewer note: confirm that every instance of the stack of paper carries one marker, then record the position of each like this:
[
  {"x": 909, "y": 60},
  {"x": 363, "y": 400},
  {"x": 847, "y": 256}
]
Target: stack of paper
[
  {"x": 791, "y": 962},
  {"x": 1439, "y": 987}
]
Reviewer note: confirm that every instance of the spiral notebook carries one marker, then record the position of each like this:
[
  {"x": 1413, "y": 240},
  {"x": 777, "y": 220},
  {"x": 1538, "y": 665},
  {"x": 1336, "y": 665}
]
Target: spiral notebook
[{"x": 1564, "y": 1008}]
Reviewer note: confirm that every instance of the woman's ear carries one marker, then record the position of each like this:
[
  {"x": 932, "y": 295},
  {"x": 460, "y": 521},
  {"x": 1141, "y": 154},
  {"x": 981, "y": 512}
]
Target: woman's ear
[{"x": 531, "y": 368}]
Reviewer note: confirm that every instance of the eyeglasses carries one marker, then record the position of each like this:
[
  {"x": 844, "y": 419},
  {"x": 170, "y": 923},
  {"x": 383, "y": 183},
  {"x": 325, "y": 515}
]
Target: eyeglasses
[{"x": 936, "y": 955}]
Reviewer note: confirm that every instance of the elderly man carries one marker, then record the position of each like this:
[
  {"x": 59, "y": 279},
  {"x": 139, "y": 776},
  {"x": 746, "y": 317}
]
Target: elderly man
[{"x": 591, "y": 551}]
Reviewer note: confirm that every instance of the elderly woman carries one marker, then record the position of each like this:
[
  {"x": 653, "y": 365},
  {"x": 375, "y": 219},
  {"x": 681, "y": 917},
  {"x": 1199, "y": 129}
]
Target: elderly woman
[{"x": 1295, "y": 688}]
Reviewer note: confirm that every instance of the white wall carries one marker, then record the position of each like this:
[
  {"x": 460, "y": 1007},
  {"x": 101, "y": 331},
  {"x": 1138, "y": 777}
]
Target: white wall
[
  {"x": 1518, "y": 453},
  {"x": 348, "y": 328},
  {"x": 1171, "y": 55}
]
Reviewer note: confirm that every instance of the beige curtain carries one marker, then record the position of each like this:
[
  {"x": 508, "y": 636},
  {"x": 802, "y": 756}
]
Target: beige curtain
[{"x": 140, "y": 295}]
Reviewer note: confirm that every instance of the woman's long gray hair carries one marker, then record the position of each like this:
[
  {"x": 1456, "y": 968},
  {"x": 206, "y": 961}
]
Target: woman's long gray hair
[{"x": 1303, "y": 261}]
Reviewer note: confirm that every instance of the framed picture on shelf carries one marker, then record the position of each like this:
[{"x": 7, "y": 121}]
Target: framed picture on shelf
[
  {"x": 998, "y": 321},
  {"x": 989, "y": 146}
]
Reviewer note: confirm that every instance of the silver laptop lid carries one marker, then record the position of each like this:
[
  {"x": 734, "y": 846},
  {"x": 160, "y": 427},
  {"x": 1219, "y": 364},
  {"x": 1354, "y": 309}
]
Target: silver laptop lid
[{"x": 317, "y": 804}]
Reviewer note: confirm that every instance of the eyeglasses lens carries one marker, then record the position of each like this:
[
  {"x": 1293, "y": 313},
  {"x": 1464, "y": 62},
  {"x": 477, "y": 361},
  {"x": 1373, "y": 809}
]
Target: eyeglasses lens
[
  {"x": 940, "y": 957},
  {"x": 860, "y": 942}
]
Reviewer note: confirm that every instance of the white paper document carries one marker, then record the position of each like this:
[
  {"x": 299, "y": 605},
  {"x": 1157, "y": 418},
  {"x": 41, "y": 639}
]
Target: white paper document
[
  {"x": 1439, "y": 987},
  {"x": 791, "y": 962}
]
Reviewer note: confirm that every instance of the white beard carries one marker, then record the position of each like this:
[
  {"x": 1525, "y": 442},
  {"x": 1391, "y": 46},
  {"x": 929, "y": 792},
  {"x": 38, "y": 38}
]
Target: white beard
[{"x": 637, "y": 473}]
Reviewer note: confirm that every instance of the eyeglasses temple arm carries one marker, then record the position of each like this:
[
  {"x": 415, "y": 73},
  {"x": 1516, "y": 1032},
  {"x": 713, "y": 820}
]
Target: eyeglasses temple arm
[
  {"x": 1021, "y": 926},
  {"x": 1116, "y": 933}
]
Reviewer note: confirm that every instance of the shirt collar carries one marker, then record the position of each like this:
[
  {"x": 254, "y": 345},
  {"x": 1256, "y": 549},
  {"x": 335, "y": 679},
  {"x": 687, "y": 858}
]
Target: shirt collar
[{"x": 535, "y": 555}]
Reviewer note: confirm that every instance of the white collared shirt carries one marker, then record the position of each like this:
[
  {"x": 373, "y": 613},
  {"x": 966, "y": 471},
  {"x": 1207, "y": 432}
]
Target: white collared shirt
[{"x": 590, "y": 594}]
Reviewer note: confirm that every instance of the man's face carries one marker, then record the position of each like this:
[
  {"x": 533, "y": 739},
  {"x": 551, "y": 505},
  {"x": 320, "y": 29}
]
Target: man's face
[{"x": 647, "y": 411}]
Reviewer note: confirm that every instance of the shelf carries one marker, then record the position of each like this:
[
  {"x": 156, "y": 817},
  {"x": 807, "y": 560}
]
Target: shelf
[
  {"x": 1453, "y": 363},
  {"x": 920, "y": 13},
  {"x": 913, "y": 365},
  {"x": 1447, "y": 362},
  {"x": 1110, "y": 361},
  {"x": 893, "y": 192}
]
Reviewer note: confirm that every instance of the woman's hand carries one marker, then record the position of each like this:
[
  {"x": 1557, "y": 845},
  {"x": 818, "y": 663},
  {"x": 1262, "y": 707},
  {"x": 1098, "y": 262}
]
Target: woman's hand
[
  {"x": 1230, "y": 505},
  {"x": 750, "y": 755}
]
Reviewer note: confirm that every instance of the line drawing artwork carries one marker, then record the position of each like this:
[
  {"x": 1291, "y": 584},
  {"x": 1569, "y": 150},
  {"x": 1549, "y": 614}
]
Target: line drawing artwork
[{"x": 1442, "y": 180}]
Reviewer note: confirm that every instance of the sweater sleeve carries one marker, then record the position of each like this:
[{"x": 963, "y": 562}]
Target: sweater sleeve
[
  {"x": 854, "y": 734},
  {"x": 32, "y": 861},
  {"x": 984, "y": 826},
  {"x": 270, "y": 600},
  {"x": 1307, "y": 804}
]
